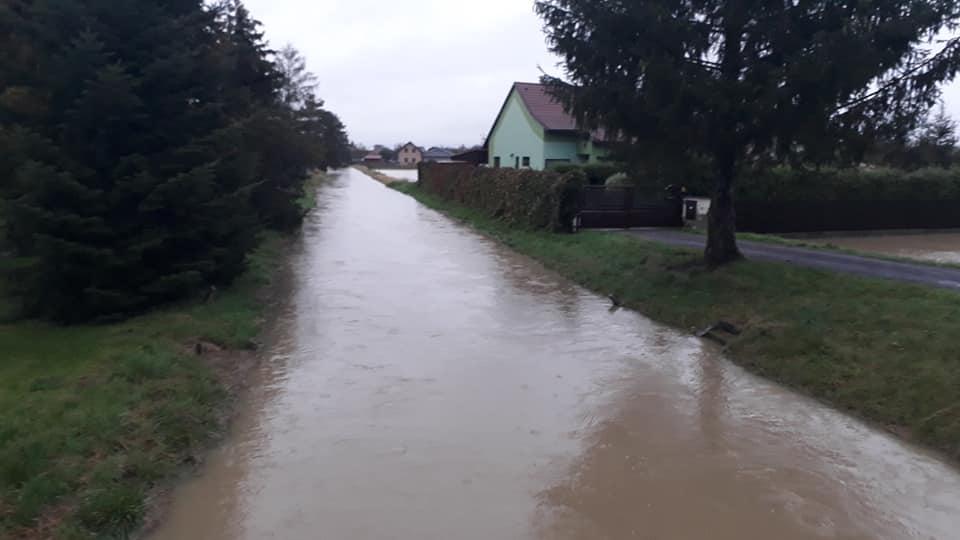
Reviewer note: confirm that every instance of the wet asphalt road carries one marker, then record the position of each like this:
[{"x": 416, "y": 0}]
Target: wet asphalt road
[{"x": 943, "y": 277}]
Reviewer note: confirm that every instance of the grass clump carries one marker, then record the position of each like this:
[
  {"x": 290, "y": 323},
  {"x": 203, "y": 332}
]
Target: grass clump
[
  {"x": 882, "y": 350},
  {"x": 308, "y": 199}
]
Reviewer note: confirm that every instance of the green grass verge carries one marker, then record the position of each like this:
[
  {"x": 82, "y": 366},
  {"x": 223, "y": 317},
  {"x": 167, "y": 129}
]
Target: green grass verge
[
  {"x": 93, "y": 417},
  {"x": 308, "y": 199},
  {"x": 882, "y": 350}
]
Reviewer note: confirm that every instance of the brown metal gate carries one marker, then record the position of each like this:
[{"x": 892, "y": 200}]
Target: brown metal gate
[{"x": 624, "y": 208}]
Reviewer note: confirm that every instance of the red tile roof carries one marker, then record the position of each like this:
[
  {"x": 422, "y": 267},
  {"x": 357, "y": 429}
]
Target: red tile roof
[
  {"x": 547, "y": 111},
  {"x": 545, "y": 108}
]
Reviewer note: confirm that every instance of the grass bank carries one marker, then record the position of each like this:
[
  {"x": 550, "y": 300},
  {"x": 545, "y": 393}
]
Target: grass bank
[
  {"x": 885, "y": 351},
  {"x": 93, "y": 417},
  {"x": 308, "y": 199}
]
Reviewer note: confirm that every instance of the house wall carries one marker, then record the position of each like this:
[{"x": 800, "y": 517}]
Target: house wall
[
  {"x": 593, "y": 151},
  {"x": 558, "y": 148},
  {"x": 517, "y": 134},
  {"x": 409, "y": 155}
]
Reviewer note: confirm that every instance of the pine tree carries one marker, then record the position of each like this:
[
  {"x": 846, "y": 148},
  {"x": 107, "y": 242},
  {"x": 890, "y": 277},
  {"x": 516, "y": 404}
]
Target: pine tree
[
  {"x": 119, "y": 199},
  {"x": 336, "y": 144},
  {"x": 937, "y": 139},
  {"x": 146, "y": 143}
]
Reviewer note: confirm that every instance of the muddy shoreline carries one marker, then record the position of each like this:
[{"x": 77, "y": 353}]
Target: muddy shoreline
[{"x": 236, "y": 372}]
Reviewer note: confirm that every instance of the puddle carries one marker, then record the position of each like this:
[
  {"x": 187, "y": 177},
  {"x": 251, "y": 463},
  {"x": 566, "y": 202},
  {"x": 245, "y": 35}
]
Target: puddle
[{"x": 936, "y": 247}]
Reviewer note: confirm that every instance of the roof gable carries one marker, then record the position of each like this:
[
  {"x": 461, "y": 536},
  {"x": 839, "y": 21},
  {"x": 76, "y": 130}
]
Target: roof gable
[{"x": 545, "y": 110}]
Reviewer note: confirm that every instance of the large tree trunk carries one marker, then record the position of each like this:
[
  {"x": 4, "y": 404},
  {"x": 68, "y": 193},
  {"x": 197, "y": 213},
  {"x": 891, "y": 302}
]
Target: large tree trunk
[
  {"x": 722, "y": 230},
  {"x": 722, "y": 223}
]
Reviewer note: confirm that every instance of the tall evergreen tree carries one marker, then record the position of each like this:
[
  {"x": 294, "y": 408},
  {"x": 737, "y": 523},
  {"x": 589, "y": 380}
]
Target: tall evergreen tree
[
  {"x": 937, "y": 141},
  {"x": 336, "y": 144},
  {"x": 145, "y": 143},
  {"x": 118, "y": 196},
  {"x": 741, "y": 82}
]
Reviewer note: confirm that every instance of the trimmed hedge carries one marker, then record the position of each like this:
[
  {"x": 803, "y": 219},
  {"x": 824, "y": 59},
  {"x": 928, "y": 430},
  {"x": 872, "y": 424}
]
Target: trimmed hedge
[
  {"x": 785, "y": 200},
  {"x": 521, "y": 198},
  {"x": 785, "y": 184},
  {"x": 822, "y": 216}
]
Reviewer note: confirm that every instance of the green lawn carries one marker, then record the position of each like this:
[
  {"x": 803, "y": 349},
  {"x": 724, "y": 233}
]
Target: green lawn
[
  {"x": 886, "y": 351},
  {"x": 91, "y": 418}
]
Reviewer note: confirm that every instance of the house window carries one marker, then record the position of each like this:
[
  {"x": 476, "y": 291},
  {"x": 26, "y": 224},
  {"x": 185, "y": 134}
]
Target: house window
[
  {"x": 496, "y": 162},
  {"x": 516, "y": 162},
  {"x": 526, "y": 161}
]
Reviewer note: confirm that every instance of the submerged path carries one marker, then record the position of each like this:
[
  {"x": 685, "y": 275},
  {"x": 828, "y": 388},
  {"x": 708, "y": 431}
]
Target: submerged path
[
  {"x": 426, "y": 383},
  {"x": 926, "y": 274}
]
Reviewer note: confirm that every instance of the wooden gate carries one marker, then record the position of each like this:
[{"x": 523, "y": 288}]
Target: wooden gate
[{"x": 624, "y": 208}]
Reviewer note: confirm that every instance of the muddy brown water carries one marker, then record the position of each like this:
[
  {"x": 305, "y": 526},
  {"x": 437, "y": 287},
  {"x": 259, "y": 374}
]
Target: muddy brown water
[
  {"x": 936, "y": 247},
  {"x": 426, "y": 383}
]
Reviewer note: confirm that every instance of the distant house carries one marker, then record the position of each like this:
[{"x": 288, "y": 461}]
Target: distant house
[
  {"x": 373, "y": 158},
  {"x": 534, "y": 131},
  {"x": 438, "y": 155},
  {"x": 409, "y": 154},
  {"x": 477, "y": 156}
]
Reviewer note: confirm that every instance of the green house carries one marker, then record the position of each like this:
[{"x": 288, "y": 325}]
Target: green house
[{"x": 534, "y": 131}]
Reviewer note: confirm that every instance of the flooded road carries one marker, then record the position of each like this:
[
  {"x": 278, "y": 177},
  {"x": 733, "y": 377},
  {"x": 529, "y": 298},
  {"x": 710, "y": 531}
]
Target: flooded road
[
  {"x": 410, "y": 175},
  {"x": 936, "y": 247},
  {"x": 425, "y": 383}
]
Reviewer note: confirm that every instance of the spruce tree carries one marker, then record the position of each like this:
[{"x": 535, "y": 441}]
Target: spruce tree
[
  {"x": 740, "y": 83},
  {"x": 146, "y": 143},
  {"x": 119, "y": 198}
]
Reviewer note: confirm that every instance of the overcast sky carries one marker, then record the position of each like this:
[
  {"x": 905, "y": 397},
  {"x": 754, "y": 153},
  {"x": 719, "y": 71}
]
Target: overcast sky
[{"x": 434, "y": 72}]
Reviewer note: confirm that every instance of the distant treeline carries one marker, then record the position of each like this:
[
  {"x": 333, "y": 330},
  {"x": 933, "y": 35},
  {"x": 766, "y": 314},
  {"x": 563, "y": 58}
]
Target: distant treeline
[{"x": 143, "y": 148}]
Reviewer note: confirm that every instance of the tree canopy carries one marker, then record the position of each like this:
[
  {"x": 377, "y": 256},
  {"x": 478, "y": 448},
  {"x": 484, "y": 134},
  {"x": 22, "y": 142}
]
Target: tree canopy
[
  {"x": 146, "y": 144},
  {"x": 740, "y": 83}
]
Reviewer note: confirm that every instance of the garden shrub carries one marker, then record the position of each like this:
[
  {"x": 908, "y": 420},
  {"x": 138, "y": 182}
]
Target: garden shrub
[
  {"x": 596, "y": 174},
  {"x": 619, "y": 180}
]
